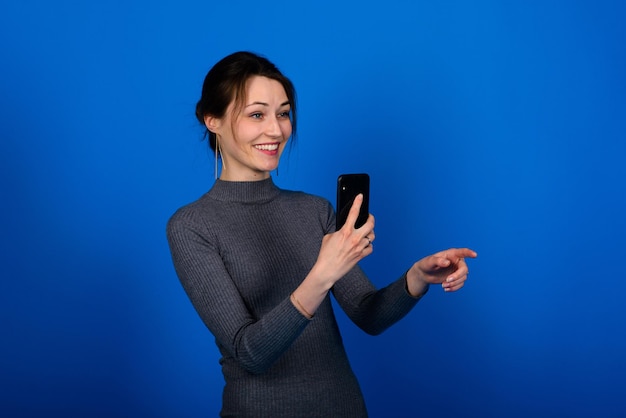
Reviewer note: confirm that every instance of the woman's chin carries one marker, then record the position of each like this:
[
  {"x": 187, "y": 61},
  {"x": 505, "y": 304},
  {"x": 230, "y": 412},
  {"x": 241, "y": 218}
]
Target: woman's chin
[{"x": 269, "y": 167}]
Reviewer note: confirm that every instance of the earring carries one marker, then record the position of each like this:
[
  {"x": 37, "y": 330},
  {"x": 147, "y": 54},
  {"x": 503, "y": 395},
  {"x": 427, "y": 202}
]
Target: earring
[
  {"x": 222, "y": 158},
  {"x": 216, "y": 148},
  {"x": 218, "y": 153}
]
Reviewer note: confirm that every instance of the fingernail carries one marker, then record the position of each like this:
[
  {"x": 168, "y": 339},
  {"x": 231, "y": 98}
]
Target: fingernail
[{"x": 449, "y": 279}]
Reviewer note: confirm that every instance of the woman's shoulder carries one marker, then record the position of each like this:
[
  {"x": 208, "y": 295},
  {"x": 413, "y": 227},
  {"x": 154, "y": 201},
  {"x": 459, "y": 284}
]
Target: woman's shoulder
[{"x": 191, "y": 212}]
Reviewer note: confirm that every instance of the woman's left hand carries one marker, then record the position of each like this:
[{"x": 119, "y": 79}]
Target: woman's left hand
[{"x": 447, "y": 268}]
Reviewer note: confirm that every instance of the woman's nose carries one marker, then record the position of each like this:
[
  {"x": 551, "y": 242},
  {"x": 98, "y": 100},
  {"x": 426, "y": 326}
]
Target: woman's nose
[{"x": 273, "y": 127}]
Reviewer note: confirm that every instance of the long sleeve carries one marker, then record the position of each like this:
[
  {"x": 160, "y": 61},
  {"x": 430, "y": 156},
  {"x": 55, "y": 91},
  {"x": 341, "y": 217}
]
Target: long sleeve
[
  {"x": 370, "y": 309},
  {"x": 255, "y": 342}
]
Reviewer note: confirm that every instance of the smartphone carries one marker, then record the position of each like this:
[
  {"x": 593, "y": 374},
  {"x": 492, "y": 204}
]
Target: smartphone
[{"x": 348, "y": 187}]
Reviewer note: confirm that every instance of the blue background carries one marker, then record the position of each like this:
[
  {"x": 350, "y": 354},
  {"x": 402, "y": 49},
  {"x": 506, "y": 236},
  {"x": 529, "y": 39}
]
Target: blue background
[{"x": 495, "y": 125}]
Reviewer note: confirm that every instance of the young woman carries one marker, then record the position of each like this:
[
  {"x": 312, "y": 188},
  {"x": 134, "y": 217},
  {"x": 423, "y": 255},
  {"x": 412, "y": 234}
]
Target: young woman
[{"x": 259, "y": 262}]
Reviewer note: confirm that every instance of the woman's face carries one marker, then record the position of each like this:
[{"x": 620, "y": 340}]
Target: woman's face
[{"x": 252, "y": 140}]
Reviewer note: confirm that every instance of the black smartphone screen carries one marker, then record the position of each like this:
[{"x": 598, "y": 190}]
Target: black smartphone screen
[{"x": 348, "y": 187}]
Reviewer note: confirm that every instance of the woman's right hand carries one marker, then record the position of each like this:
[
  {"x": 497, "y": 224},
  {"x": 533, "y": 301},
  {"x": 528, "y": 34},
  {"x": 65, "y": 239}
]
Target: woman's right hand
[
  {"x": 343, "y": 249},
  {"x": 339, "y": 253}
]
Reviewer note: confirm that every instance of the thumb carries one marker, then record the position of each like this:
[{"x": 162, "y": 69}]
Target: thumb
[
  {"x": 435, "y": 262},
  {"x": 442, "y": 262}
]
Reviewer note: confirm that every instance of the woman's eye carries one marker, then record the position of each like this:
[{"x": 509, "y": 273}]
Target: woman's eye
[
  {"x": 284, "y": 114},
  {"x": 257, "y": 115}
]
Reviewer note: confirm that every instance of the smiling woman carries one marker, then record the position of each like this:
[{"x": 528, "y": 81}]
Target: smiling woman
[
  {"x": 252, "y": 141},
  {"x": 241, "y": 87},
  {"x": 261, "y": 286}
]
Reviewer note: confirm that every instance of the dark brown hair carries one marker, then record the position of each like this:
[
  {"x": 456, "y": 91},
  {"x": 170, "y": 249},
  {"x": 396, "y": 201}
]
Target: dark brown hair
[{"x": 226, "y": 82}]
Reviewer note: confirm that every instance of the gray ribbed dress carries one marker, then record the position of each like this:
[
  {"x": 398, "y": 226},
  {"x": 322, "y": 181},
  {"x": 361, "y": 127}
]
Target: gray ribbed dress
[{"x": 239, "y": 251}]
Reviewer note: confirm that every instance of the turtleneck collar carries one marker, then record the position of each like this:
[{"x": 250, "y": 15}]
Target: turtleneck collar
[{"x": 244, "y": 191}]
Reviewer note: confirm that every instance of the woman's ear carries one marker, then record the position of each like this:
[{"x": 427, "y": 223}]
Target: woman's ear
[{"x": 212, "y": 123}]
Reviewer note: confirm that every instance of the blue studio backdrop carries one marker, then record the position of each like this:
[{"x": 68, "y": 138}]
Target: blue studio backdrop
[{"x": 494, "y": 125}]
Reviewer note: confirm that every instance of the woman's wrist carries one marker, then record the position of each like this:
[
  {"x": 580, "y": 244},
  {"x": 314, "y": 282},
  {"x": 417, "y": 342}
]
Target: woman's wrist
[
  {"x": 414, "y": 284},
  {"x": 310, "y": 294},
  {"x": 299, "y": 307}
]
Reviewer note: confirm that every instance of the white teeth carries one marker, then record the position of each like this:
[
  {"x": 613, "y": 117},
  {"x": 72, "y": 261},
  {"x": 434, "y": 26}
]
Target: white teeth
[{"x": 271, "y": 147}]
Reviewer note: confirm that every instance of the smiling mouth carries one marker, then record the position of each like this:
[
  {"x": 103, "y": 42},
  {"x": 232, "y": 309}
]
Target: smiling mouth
[{"x": 267, "y": 147}]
